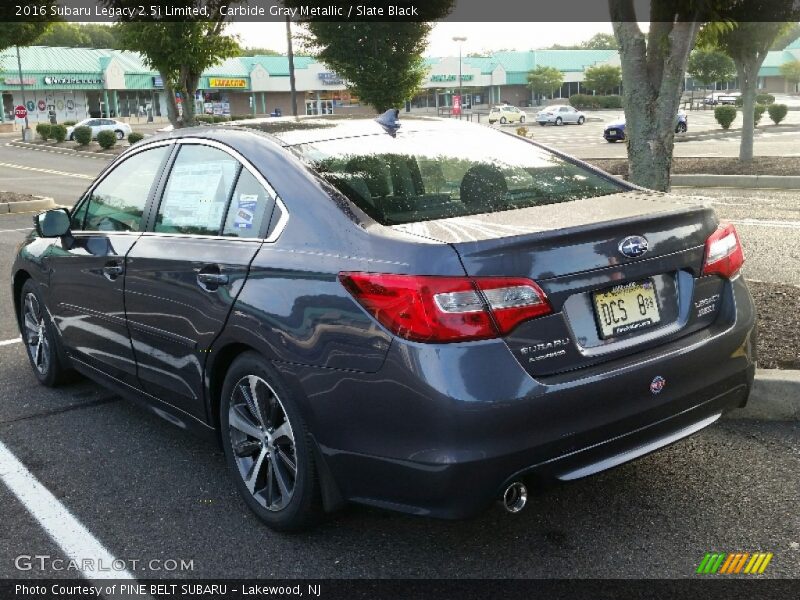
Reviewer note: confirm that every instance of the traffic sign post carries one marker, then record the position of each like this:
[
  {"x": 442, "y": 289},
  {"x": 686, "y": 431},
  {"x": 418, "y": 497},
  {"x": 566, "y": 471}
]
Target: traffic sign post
[{"x": 20, "y": 112}]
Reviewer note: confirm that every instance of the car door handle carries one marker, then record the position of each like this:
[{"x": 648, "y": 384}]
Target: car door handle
[
  {"x": 212, "y": 278},
  {"x": 113, "y": 270}
]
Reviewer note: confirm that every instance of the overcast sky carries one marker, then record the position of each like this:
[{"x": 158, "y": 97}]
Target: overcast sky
[{"x": 480, "y": 36}]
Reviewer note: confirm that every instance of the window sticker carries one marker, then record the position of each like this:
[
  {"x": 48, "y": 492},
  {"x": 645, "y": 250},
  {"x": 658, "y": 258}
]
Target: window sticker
[{"x": 245, "y": 211}]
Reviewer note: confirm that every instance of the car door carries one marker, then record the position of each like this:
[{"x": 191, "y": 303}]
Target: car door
[
  {"x": 184, "y": 274},
  {"x": 87, "y": 268}
]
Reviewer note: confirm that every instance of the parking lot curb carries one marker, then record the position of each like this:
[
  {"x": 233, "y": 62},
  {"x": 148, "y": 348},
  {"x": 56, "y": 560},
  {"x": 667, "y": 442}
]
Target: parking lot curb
[
  {"x": 23, "y": 206},
  {"x": 775, "y": 397},
  {"x": 787, "y": 182},
  {"x": 64, "y": 150}
]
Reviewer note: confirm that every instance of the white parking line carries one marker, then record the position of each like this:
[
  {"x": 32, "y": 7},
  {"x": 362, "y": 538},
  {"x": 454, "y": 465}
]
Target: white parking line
[
  {"x": 75, "y": 540},
  {"x": 760, "y": 223},
  {"x": 48, "y": 171},
  {"x": 9, "y": 342},
  {"x": 11, "y": 230}
]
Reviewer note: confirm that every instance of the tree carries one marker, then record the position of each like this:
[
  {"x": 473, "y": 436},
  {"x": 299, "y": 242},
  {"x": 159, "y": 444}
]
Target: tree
[
  {"x": 653, "y": 67},
  {"x": 100, "y": 36},
  {"x": 601, "y": 41},
  {"x": 72, "y": 35},
  {"x": 543, "y": 80},
  {"x": 602, "y": 79},
  {"x": 709, "y": 65},
  {"x": 747, "y": 43},
  {"x": 382, "y": 61},
  {"x": 180, "y": 51},
  {"x": 258, "y": 52},
  {"x": 787, "y": 37},
  {"x": 791, "y": 71},
  {"x": 22, "y": 34}
]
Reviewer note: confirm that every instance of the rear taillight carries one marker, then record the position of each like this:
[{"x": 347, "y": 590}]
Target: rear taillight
[
  {"x": 426, "y": 308},
  {"x": 724, "y": 255}
]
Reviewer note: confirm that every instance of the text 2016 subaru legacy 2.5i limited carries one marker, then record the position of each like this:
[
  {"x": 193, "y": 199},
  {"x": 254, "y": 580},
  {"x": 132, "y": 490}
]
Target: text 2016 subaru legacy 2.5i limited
[{"x": 422, "y": 317}]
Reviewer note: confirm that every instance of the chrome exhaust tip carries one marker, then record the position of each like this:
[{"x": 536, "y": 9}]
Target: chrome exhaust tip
[{"x": 515, "y": 497}]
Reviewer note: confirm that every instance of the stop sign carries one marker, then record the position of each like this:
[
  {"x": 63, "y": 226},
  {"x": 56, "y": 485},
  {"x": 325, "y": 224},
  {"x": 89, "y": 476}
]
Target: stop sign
[{"x": 20, "y": 112}]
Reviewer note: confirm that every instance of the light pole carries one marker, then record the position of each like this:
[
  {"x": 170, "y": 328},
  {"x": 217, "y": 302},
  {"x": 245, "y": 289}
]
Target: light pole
[
  {"x": 460, "y": 40},
  {"x": 22, "y": 91}
]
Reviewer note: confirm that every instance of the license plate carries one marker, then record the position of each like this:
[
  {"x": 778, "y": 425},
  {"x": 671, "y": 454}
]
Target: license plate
[
  {"x": 612, "y": 132},
  {"x": 626, "y": 308}
]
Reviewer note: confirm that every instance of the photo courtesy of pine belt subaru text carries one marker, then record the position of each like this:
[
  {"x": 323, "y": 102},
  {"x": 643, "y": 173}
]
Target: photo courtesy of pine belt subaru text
[{"x": 425, "y": 316}]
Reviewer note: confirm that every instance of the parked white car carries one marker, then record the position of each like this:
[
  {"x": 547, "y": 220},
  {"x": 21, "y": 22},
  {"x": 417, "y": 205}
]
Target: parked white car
[
  {"x": 560, "y": 115},
  {"x": 506, "y": 114},
  {"x": 721, "y": 98},
  {"x": 118, "y": 127}
]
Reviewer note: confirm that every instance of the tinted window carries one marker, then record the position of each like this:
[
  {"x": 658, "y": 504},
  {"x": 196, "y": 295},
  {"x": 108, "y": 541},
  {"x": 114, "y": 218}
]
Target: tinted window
[
  {"x": 458, "y": 171},
  {"x": 118, "y": 201},
  {"x": 250, "y": 207},
  {"x": 197, "y": 191}
]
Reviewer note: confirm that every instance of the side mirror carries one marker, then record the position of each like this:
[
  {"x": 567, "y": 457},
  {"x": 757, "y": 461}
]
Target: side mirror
[{"x": 53, "y": 223}]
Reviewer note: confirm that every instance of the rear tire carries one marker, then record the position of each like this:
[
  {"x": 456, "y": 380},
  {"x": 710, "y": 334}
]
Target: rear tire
[
  {"x": 40, "y": 338},
  {"x": 559, "y": 121},
  {"x": 503, "y": 120},
  {"x": 267, "y": 446},
  {"x": 542, "y": 123},
  {"x": 581, "y": 120},
  {"x": 522, "y": 119},
  {"x": 681, "y": 128},
  {"x": 119, "y": 134}
]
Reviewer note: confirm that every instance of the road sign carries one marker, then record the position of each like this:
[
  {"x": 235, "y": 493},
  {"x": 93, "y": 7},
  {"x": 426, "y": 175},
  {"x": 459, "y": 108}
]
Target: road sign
[
  {"x": 41, "y": 105},
  {"x": 20, "y": 112}
]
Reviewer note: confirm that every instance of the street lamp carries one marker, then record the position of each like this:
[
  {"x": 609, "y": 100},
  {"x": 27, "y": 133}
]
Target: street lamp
[{"x": 460, "y": 40}]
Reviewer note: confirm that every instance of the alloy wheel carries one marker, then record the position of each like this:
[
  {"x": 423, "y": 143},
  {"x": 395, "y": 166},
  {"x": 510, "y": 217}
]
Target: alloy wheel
[
  {"x": 263, "y": 442},
  {"x": 35, "y": 334}
]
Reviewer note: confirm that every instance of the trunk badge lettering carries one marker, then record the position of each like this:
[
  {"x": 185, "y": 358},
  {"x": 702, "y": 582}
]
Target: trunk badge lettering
[
  {"x": 657, "y": 384},
  {"x": 633, "y": 246}
]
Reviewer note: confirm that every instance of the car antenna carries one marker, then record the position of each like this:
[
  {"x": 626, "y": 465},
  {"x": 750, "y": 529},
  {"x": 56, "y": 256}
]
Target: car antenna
[{"x": 390, "y": 121}]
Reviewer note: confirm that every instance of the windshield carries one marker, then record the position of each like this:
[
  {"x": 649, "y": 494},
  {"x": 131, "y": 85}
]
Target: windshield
[{"x": 426, "y": 175}]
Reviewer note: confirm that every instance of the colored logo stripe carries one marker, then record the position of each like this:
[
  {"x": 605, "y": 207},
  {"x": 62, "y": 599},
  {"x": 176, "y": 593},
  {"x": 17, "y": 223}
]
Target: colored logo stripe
[{"x": 734, "y": 563}]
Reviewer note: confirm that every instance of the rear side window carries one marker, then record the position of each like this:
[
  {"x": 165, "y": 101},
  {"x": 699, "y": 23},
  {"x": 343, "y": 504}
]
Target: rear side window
[
  {"x": 117, "y": 203},
  {"x": 250, "y": 207},
  {"x": 443, "y": 173},
  {"x": 197, "y": 191}
]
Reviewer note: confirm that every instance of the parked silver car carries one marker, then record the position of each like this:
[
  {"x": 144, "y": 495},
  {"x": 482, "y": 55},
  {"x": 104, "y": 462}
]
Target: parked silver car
[{"x": 559, "y": 115}]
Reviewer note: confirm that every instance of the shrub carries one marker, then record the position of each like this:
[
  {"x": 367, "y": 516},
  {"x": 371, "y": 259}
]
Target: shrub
[
  {"x": 240, "y": 117},
  {"x": 739, "y": 101},
  {"x": 584, "y": 101},
  {"x": 68, "y": 123},
  {"x": 777, "y": 112},
  {"x": 43, "y": 129},
  {"x": 82, "y": 135},
  {"x": 758, "y": 112},
  {"x": 725, "y": 115},
  {"x": 611, "y": 101},
  {"x": 58, "y": 133},
  {"x": 134, "y": 137},
  {"x": 221, "y": 119},
  {"x": 204, "y": 118},
  {"x": 106, "y": 139},
  {"x": 522, "y": 131},
  {"x": 765, "y": 99}
]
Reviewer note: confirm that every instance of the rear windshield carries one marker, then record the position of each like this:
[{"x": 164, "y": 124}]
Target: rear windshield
[{"x": 427, "y": 175}]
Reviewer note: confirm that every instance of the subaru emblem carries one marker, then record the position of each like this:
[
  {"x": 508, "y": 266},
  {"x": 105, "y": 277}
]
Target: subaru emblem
[
  {"x": 657, "y": 384},
  {"x": 633, "y": 246}
]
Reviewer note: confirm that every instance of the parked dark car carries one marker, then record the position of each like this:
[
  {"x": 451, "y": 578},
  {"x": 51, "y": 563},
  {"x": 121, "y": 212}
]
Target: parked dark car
[
  {"x": 424, "y": 318},
  {"x": 615, "y": 131}
]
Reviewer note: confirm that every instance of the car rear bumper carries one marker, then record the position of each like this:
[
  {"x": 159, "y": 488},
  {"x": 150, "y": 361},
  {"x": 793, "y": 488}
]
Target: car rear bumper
[
  {"x": 442, "y": 430},
  {"x": 616, "y": 135}
]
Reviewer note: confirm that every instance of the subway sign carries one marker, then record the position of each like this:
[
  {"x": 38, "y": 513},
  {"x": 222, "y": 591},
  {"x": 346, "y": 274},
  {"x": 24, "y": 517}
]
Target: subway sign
[
  {"x": 218, "y": 82},
  {"x": 450, "y": 78}
]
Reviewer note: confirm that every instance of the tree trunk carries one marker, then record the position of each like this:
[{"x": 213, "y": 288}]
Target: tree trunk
[
  {"x": 172, "y": 107},
  {"x": 748, "y": 78}
]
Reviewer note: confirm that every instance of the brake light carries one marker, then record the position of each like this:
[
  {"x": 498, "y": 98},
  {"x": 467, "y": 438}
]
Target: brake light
[
  {"x": 724, "y": 255},
  {"x": 425, "y": 308}
]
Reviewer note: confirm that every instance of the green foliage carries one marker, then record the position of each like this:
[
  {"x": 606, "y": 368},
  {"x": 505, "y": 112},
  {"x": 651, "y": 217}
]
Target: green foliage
[
  {"x": 791, "y": 71},
  {"x": 58, "y": 133},
  {"x": 24, "y": 34},
  {"x": 709, "y": 66},
  {"x": 765, "y": 99},
  {"x": 587, "y": 101},
  {"x": 258, "y": 52},
  {"x": 599, "y": 41},
  {"x": 725, "y": 115},
  {"x": 522, "y": 131},
  {"x": 134, "y": 137},
  {"x": 602, "y": 78},
  {"x": 204, "y": 118},
  {"x": 777, "y": 112},
  {"x": 83, "y": 135},
  {"x": 787, "y": 37},
  {"x": 106, "y": 139},
  {"x": 74, "y": 35},
  {"x": 758, "y": 112},
  {"x": 543, "y": 80},
  {"x": 220, "y": 119},
  {"x": 180, "y": 51},
  {"x": 43, "y": 129},
  {"x": 382, "y": 62},
  {"x": 68, "y": 123}
]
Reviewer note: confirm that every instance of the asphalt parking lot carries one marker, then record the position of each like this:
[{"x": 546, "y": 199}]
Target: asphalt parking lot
[{"x": 148, "y": 491}]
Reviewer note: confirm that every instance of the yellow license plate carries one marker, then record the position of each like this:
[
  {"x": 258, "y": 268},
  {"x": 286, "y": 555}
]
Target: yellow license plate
[{"x": 626, "y": 308}]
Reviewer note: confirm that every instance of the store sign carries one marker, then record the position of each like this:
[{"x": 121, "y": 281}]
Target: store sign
[
  {"x": 330, "y": 78},
  {"x": 50, "y": 80},
  {"x": 216, "y": 82},
  {"x": 450, "y": 78},
  {"x": 158, "y": 82},
  {"x": 18, "y": 81}
]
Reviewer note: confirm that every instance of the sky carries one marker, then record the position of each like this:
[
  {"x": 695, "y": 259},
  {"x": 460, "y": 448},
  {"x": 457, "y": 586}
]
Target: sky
[{"x": 480, "y": 36}]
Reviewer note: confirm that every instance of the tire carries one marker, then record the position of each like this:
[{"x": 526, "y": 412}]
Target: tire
[
  {"x": 522, "y": 119},
  {"x": 681, "y": 128},
  {"x": 542, "y": 123},
  {"x": 39, "y": 337},
  {"x": 503, "y": 120},
  {"x": 119, "y": 134},
  {"x": 612, "y": 141},
  {"x": 581, "y": 120},
  {"x": 559, "y": 121},
  {"x": 72, "y": 137},
  {"x": 268, "y": 433}
]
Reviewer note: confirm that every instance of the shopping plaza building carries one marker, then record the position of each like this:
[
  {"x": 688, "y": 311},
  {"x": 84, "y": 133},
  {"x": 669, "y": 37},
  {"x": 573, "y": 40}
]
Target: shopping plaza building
[{"x": 75, "y": 83}]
